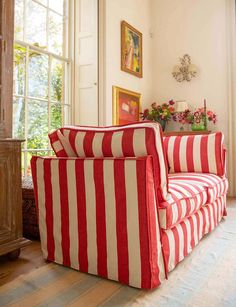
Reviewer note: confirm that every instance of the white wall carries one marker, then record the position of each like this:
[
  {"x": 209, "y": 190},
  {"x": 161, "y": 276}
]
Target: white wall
[
  {"x": 138, "y": 14},
  {"x": 199, "y": 29}
]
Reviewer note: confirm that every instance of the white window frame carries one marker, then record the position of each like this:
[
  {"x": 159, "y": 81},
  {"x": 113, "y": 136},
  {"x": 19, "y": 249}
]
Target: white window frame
[{"x": 68, "y": 61}]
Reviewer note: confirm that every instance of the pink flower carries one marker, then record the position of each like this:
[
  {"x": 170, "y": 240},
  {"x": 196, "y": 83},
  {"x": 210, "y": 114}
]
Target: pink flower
[
  {"x": 171, "y": 102},
  {"x": 154, "y": 105}
]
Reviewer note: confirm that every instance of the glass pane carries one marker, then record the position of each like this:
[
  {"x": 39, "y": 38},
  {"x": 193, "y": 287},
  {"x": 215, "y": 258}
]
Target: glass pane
[
  {"x": 56, "y": 116},
  {"x": 38, "y": 75},
  {"x": 57, "y": 77},
  {"x": 55, "y": 33},
  {"x": 19, "y": 70},
  {"x": 57, "y": 5},
  {"x": 18, "y": 118},
  {"x": 19, "y": 19},
  {"x": 36, "y": 24},
  {"x": 37, "y": 125}
]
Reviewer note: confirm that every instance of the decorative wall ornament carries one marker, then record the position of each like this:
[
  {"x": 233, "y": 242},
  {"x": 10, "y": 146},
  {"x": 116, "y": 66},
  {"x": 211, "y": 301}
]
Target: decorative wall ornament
[{"x": 185, "y": 71}]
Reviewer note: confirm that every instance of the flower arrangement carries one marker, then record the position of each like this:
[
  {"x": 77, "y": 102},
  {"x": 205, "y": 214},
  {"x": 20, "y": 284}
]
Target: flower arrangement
[
  {"x": 159, "y": 113},
  {"x": 197, "y": 119},
  {"x": 199, "y": 116}
]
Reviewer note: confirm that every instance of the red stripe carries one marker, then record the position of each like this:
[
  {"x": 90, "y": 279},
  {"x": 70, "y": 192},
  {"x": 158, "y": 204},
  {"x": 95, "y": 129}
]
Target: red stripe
[
  {"x": 88, "y": 144},
  {"x": 82, "y": 221},
  {"x": 198, "y": 225},
  {"x": 189, "y": 154},
  {"x": 176, "y": 154},
  {"x": 127, "y": 143},
  {"x": 106, "y": 144},
  {"x": 100, "y": 218},
  {"x": 218, "y": 154},
  {"x": 49, "y": 208},
  {"x": 204, "y": 153},
  {"x": 65, "y": 236},
  {"x": 166, "y": 248},
  {"x": 121, "y": 221},
  {"x": 143, "y": 233},
  {"x": 72, "y": 136},
  {"x": 151, "y": 222},
  {"x": 151, "y": 150},
  {"x": 53, "y": 137}
]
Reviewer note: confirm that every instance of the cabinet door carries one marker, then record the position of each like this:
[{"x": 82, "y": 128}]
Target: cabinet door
[
  {"x": 6, "y": 66},
  {"x": 10, "y": 200}
]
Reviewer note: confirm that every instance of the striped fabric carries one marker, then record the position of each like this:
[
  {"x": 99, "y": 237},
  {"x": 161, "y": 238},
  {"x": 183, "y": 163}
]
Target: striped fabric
[
  {"x": 180, "y": 240},
  {"x": 100, "y": 216},
  {"x": 196, "y": 153},
  {"x": 132, "y": 140},
  {"x": 186, "y": 198},
  {"x": 215, "y": 186}
]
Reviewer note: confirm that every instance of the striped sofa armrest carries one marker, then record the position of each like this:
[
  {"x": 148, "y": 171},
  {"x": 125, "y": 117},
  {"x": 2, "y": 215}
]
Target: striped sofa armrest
[
  {"x": 99, "y": 215},
  {"x": 132, "y": 140},
  {"x": 196, "y": 153}
]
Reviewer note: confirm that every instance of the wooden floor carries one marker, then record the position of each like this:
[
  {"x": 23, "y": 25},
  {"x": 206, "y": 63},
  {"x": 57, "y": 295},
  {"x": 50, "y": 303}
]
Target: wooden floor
[{"x": 30, "y": 258}]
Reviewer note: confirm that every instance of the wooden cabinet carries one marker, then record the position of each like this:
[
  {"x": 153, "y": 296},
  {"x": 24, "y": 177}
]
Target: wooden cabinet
[
  {"x": 11, "y": 239},
  {"x": 6, "y": 66}
]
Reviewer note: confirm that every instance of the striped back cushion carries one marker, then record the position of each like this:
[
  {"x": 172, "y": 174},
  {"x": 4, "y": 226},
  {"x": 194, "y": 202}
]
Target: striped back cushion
[
  {"x": 132, "y": 140},
  {"x": 196, "y": 153}
]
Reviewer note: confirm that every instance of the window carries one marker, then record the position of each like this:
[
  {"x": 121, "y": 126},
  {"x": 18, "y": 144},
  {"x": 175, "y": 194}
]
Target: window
[{"x": 42, "y": 67}]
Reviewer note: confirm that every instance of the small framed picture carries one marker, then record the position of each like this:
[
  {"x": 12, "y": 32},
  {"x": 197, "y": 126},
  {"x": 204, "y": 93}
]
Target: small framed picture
[
  {"x": 131, "y": 50},
  {"x": 126, "y": 106}
]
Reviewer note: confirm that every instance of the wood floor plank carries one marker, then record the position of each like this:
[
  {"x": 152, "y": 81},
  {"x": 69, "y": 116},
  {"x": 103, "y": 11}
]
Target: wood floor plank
[{"x": 30, "y": 258}]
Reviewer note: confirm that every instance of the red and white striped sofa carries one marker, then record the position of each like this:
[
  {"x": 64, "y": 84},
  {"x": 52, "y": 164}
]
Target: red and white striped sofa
[{"x": 125, "y": 203}]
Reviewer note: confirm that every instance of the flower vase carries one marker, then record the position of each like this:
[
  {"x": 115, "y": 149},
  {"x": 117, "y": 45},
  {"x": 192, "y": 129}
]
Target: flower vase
[
  {"x": 198, "y": 127},
  {"x": 162, "y": 123}
]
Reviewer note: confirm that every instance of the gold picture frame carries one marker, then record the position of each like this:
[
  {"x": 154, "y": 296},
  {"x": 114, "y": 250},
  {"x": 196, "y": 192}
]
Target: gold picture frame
[
  {"x": 131, "y": 50},
  {"x": 126, "y": 106}
]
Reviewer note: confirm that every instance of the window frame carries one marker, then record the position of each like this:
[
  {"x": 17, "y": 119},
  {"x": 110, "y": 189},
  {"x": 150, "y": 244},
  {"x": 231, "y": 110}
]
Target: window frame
[{"x": 66, "y": 60}]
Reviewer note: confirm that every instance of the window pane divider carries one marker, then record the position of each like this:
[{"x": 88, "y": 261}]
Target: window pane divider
[
  {"x": 48, "y": 8},
  {"x": 40, "y": 50}
]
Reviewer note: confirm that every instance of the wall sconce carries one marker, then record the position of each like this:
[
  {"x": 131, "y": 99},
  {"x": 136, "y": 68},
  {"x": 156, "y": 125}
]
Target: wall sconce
[{"x": 185, "y": 71}]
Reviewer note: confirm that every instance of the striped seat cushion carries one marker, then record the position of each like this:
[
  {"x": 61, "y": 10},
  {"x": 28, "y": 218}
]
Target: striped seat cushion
[
  {"x": 196, "y": 153},
  {"x": 133, "y": 140},
  {"x": 186, "y": 198},
  {"x": 215, "y": 186}
]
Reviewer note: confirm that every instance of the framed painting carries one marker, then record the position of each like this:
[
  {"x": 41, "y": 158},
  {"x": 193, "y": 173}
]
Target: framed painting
[
  {"x": 131, "y": 50},
  {"x": 126, "y": 106}
]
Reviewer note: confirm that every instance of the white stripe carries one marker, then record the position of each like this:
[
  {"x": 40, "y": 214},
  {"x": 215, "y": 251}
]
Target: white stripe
[
  {"x": 66, "y": 143},
  {"x": 133, "y": 223},
  {"x": 116, "y": 144},
  {"x": 175, "y": 214},
  {"x": 183, "y": 154},
  {"x": 162, "y": 215},
  {"x": 199, "y": 212},
  {"x": 181, "y": 241},
  {"x": 189, "y": 235},
  {"x": 195, "y": 234},
  {"x": 97, "y": 144},
  {"x": 171, "y": 240},
  {"x": 79, "y": 144},
  {"x": 41, "y": 204},
  {"x": 139, "y": 142},
  {"x": 170, "y": 153},
  {"x": 56, "y": 210},
  {"x": 57, "y": 146},
  {"x": 197, "y": 154},
  {"x": 91, "y": 216},
  {"x": 73, "y": 214},
  {"x": 110, "y": 201},
  {"x": 211, "y": 153}
]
